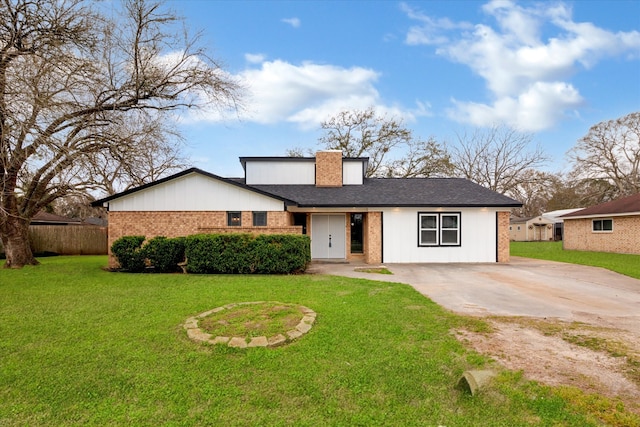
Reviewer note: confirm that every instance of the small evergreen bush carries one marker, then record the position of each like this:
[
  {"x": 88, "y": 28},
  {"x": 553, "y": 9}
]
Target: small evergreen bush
[
  {"x": 164, "y": 254},
  {"x": 129, "y": 253},
  {"x": 281, "y": 253}
]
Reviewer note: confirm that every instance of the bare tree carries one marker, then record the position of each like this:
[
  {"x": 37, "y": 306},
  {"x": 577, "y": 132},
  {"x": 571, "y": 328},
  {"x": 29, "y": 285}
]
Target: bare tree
[
  {"x": 571, "y": 191},
  {"x": 535, "y": 191},
  {"x": 497, "y": 158},
  {"x": 359, "y": 133},
  {"x": 153, "y": 150},
  {"x": 611, "y": 151},
  {"x": 71, "y": 80}
]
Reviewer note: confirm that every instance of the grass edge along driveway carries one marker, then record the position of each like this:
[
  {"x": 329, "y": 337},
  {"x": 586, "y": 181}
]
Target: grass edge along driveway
[
  {"x": 627, "y": 264},
  {"x": 82, "y": 346}
]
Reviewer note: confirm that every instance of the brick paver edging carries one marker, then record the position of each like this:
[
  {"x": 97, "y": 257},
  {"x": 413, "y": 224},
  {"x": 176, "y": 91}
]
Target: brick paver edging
[{"x": 196, "y": 334}]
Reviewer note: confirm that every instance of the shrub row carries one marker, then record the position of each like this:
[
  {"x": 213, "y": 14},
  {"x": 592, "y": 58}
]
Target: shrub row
[
  {"x": 161, "y": 253},
  {"x": 215, "y": 253}
]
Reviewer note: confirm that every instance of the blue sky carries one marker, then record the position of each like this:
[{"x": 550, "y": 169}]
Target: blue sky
[{"x": 549, "y": 68}]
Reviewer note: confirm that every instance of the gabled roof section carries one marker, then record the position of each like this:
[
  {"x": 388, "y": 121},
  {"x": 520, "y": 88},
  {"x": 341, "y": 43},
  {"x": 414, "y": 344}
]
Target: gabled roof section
[
  {"x": 395, "y": 192},
  {"x": 235, "y": 182},
  {"x": 625, "y": 205}
]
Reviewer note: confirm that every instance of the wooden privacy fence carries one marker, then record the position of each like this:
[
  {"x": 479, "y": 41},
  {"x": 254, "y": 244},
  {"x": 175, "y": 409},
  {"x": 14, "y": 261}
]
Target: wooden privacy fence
[{"x": 68, "y": 239}]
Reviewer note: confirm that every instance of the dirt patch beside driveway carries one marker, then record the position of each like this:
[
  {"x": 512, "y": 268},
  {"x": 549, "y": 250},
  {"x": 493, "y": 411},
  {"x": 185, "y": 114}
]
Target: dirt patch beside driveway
[{"x": 594, "y": 307}]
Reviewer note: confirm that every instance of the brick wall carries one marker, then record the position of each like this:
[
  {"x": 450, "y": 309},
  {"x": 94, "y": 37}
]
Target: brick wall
[
  {"x": 329, "y": 169},
  {"x": 175, "y": 224},
  {"x": 373, "y": 238},
  {"x": 503, "y": 236},
  {"x": 625, "y": 237}
]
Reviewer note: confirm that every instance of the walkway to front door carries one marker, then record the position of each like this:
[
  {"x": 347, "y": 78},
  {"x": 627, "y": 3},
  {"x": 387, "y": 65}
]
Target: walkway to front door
[{"x": 328, "y": 236}]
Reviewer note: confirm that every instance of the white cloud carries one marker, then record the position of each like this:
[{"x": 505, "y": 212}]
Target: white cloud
[
  {"x": 254, "y": 58},
  {"x": 532, "y": 110},
  {"x": 430, "y": 31},
  {"x": 525, "y": 72},
  {"x": 308, "y": 93},
  {"x": 294, "y": 22}
]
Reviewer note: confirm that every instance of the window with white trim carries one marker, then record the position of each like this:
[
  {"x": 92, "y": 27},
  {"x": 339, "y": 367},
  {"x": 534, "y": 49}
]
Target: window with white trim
[
  {"x": 428, "y": 229},
  {"x": 439, "y": 229},
  {"x": 450, "y": 229},
  {"x": 602, "y": 225}
]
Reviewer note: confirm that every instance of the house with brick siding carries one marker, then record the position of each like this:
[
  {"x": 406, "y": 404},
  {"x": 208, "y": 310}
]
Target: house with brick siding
[
  {"x": 348, "y": 216},
  {"x": 608, "y": 227}
]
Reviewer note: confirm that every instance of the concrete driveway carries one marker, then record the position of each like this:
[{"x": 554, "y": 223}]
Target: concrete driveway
[{"x": 524, "y": 287}]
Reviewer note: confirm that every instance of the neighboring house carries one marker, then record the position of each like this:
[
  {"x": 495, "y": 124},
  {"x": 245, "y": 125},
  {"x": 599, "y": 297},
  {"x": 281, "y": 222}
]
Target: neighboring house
[
  {"x": 609, "y": 227},
  {"x": 537, "y": 228},
  {"x": 558, "y": 222},
  {"x": 348, "y": 216}
]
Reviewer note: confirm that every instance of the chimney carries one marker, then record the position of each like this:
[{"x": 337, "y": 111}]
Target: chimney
[{"x": 329, "y": 168}]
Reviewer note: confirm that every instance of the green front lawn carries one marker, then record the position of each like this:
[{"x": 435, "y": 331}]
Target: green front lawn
[
  {"x": 621, "y": 263},
  {"x": 85, "y": 347}
]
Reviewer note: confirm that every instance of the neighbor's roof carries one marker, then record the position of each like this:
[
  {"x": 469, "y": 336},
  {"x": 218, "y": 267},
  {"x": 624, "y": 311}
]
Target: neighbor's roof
[
  {"x": 49, "y": 218},
  {"x": 625, "y": 205}
]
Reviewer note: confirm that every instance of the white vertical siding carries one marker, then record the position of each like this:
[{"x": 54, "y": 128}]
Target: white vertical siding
[
  {"x": 280, "y": 172},
  {"x": 352, "y": 173},
  {"x": 195, "y": 192},
  {"x": 478, "y": 237}
]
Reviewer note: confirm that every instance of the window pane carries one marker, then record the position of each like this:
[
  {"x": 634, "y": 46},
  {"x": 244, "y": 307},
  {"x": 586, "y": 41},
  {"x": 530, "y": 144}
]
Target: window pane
[
  {"x": 597, "y": 225},
  {"x": 449, "y": 221},
  {"x": 428, "y": 237},
  {"x": 428, "y": 221},
  {"x": 607, "y": 224},
  {"x": 259, "y": 219},
  {"x": 234, "y": 219},
  {"x": 449, "y": 237}
]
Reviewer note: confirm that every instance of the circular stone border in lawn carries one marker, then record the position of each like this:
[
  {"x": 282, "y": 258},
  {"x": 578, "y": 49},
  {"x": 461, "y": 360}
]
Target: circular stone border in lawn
[{"x": 197, "y": 334}]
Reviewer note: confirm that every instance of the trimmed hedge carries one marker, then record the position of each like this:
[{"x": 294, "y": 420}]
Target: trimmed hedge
[
  {"x": 164, "y": 254},
  {"x": 246, "y": 253},
  {"x": 215, "y": 253},
  {"x": 128, "y": 251}
]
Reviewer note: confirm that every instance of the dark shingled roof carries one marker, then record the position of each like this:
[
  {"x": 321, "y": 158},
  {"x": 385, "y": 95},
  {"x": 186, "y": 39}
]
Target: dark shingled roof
[
  {"x": 375, "y": 192},
  {"x": 630, "y": 204},
  {"x": 391, "y": 192}
]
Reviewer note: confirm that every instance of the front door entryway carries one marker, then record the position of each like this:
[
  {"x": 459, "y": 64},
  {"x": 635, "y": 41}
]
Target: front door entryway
[{"x": 328, "y": 236}]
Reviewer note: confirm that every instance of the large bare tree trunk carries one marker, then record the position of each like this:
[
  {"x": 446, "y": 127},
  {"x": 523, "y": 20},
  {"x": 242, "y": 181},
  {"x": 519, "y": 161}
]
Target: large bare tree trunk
[{"x": 15, "y": 239}]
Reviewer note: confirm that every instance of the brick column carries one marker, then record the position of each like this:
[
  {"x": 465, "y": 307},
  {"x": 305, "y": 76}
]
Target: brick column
[
  {"x": 373, "y": 238},
  {"x": 502, "y": 221}
]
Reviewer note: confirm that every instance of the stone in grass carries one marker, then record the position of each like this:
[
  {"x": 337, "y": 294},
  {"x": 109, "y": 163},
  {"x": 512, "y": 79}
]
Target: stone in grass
[
  {"x": 277, "y": 340},
  {"x": 293, "y": 334},
  {"x": 198, "y": 335},
  {"x": 303, "y": 327},
  {"x": 308, "y": 319},
  {"x": 220, "y": 340},
  {"x": 239, "y": 342},
  {"x": 191, "y": 323},
  {"x": 258, "y": 342}
]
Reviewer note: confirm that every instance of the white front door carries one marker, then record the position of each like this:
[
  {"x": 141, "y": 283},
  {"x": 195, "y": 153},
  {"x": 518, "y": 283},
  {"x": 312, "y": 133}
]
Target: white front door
[{"x": 328, "y": 236}]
